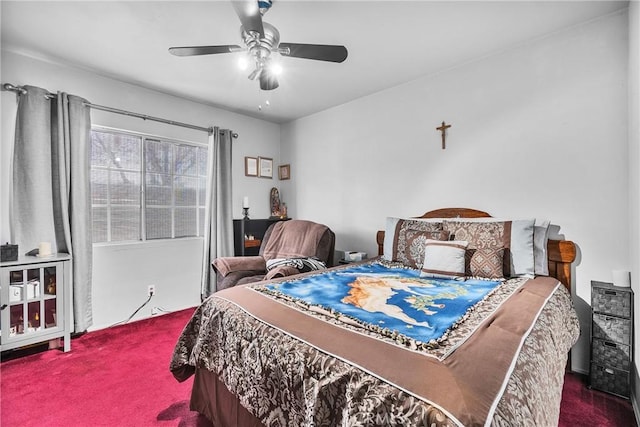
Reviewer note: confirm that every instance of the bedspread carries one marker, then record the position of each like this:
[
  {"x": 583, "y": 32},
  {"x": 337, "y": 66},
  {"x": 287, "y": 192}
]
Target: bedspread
[{"x": 291, "y": 368}]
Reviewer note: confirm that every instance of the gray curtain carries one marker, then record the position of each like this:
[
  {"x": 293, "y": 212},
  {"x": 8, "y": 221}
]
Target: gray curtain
[
  {"x": 218, "y": 223},
  {"x": 51, "y": 197}
]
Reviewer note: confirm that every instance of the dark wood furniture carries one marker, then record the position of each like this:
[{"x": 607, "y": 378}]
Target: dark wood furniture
[
  {"x": 611, "y": 338},
  {"x": 250, "y": 227},
  {"x": 561, "y": 253}
]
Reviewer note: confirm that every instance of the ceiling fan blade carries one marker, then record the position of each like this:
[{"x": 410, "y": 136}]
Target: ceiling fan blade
[
  {"x": 249, "y": 14},
  {"x": 203, "y": 50},
  {"x": 268, "y": 81},
  {"x": 320, "y": 52}
]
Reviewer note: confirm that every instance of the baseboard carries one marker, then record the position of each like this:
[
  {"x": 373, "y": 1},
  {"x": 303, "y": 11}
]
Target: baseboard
[{"x": 580, "y": 371}]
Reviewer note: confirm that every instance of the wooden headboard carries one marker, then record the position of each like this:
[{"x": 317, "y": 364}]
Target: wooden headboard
[{"x": 561, "y": 253}]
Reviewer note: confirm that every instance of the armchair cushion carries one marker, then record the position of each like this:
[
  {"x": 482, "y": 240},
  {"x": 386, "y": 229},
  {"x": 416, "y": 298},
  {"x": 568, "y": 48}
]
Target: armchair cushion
[
  {"x": 226, "y": 265},
  {"x": 281, "y": 271},
  {"x": 238, "y": 278}
]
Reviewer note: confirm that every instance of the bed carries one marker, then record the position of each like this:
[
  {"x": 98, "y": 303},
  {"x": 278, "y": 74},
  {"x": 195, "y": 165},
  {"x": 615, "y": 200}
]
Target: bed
[{"x": 463, "y": 319}]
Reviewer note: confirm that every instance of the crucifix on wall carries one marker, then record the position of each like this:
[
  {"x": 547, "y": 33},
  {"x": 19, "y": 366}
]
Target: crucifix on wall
[{"x": 443, "y": 128}]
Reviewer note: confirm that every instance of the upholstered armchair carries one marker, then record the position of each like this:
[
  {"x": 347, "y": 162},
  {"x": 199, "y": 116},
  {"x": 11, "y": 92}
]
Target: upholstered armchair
[{"x": 288, "y": 247}]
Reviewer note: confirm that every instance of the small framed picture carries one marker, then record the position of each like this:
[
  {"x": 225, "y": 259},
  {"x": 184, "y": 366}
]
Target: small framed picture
[
  {"x": 251, "y": 166},
  {"x": 284, "y": 172},
  {"x": 265, "y": 167}
]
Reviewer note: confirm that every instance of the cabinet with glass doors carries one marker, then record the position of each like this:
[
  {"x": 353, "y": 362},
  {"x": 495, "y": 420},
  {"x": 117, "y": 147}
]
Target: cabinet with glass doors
[{"x": 35, "y": 301}]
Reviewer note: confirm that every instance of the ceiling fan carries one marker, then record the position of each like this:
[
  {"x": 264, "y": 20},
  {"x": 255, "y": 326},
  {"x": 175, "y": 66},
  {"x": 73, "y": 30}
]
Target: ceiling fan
[{"x": 261, "y": 39}]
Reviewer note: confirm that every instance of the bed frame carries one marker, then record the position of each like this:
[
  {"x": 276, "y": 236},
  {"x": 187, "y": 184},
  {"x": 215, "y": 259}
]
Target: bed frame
[{"x": 561, "y": 253}]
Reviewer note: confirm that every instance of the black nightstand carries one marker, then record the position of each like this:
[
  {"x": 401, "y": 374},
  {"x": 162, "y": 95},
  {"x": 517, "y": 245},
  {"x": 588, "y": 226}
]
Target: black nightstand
[
  {"x": 611, "y": 338},
  {"x": 254, "y": 227}
]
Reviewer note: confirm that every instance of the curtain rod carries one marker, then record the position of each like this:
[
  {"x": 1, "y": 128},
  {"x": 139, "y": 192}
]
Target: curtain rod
[{"x": 21, "y": 91}]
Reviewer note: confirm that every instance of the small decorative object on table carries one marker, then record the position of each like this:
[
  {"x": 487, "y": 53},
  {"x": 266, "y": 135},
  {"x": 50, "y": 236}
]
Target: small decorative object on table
[
  {"x": 621, "y": 278},
  {"x": 44, "y": 250},
  {"x": 352, "y": 256},
  {"x": 8, "y": 252},
  {"x": 245, "y": 207},
  {"x": 274, "y": 201}
]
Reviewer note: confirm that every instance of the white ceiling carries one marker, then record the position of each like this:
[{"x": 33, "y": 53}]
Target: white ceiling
[{"x": 389, "y": 43}]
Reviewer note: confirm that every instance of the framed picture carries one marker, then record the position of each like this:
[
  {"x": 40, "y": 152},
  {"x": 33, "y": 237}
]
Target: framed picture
[
  {"x": 251, "y": 166},
  {"x": 284, "y": 172},
  {"x": 265, "y": 167}
]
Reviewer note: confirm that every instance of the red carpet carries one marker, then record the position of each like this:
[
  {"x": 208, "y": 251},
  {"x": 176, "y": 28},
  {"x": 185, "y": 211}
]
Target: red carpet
[
  {"x": 582, "y": 407},
  {"x": 120, "y": 377},
  {"x": 112, "y": 377}
]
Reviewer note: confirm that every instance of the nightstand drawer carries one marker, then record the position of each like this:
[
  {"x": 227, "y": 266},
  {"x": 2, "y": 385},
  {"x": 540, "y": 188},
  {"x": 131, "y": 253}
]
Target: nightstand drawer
[
  {"x": 609, "y": 379},
  {"x": 611, "y": 328},
  {"x": 611, "y": 354},
  {"x": 611, "y": 301}
]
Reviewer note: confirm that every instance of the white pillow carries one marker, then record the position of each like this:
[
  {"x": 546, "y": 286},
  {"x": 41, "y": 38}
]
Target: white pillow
[
  {"x": 540, "y": 239},
  {"x": 522, "y": 256},
  {"x": 389, "y": 233},
  {"x": 444, "y": 259}
]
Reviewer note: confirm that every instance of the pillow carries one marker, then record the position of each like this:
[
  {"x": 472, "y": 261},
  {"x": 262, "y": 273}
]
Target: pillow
[
  {"x": 303, "y": 265},
  {"x": 517, "y": 240},
  {"x": 405, "y": 239},
  {"x": 482, "y": 235},
  {"x": 487, "y": 263},
  {"x": 444, "y": 259},
  {"x": 540, "y": 239},
  {"x": 521, "y": 248}
]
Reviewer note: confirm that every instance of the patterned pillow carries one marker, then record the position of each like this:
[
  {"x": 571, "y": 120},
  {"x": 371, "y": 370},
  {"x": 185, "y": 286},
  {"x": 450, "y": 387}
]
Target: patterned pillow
[
  {"x": 444, "y": 259},
  {"x": 410, "y": 238},
  {"x": 486, "y": 263},
  {"x": 303, "y": 265},
  {"x": 483, "y": 235}
]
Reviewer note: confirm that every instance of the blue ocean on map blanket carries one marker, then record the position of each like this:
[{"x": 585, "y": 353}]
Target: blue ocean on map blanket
[{"x": 394, "y": 298}]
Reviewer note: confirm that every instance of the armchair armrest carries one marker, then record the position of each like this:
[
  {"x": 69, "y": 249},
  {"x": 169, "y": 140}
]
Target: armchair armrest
[{"x": 226, "y": 265}]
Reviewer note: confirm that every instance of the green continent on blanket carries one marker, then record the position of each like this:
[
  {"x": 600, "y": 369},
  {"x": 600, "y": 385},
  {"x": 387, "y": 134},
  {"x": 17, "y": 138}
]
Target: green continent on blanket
[{"x": 389, "y": 298}]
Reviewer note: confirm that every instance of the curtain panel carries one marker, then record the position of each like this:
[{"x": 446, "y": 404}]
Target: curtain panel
[
  {"x": 51, "y": 197},
  {"x": 218, "y": 228}
]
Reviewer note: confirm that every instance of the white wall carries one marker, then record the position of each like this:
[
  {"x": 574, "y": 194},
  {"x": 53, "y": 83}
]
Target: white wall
[
  {"x": 122, "y": 272},
  {"x": 537, "y": 131},
  {"x": 634, "y": 176}
]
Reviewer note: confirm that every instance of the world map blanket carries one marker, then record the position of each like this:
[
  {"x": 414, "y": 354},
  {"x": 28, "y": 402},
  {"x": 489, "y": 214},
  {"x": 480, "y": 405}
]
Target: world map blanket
[{"x": 387, "y": 299}]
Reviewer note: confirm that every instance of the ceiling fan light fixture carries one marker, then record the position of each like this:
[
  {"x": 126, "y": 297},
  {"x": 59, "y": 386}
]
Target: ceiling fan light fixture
[
  {"x": 260, "y": 40},
  {"x": 243, "y": 62},
  {"x": 275, "y": 68}
]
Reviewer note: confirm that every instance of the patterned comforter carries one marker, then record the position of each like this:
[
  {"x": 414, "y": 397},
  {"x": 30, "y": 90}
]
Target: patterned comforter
[{"x": 292, "y": 362}]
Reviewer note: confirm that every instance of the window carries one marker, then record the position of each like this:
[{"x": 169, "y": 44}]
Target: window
[{"x": 146, "y": 188}]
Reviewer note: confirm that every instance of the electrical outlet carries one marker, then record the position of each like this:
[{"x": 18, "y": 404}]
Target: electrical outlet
[{"x": 151, "y": 290}]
